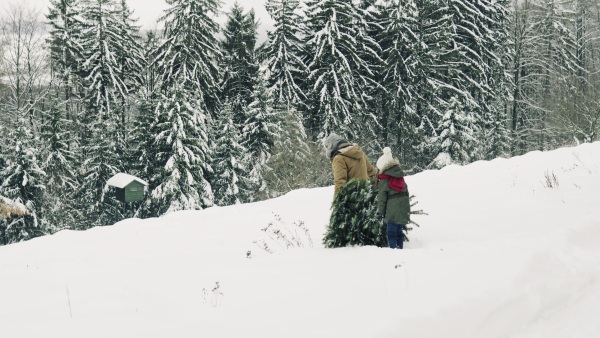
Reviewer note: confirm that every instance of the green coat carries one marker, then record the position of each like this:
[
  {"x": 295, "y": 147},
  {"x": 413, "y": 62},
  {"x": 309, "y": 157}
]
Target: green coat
[{"x": 393, "y": 205}]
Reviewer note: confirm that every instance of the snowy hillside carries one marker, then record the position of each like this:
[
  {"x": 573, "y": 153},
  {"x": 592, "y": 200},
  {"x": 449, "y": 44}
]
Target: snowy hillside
[{"x": 510, "y": 248}]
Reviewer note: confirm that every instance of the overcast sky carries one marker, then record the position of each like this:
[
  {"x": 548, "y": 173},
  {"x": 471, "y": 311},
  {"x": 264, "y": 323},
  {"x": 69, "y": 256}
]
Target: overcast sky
[{"x": 148, "y": 11}]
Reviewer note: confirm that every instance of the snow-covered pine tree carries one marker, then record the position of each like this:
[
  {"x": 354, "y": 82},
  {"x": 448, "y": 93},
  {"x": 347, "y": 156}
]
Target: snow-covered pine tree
[
  {"x": 132, "y": 63},
  {"x": 367, "y": 26},
  {"x": 260, "y": 130},
  {"x": 66, "y": 52},
  {"x": 431, "y": 75},
  {"x": 228, "y": 158},
  {"x": 284, "y": 51},
  {"x": 187, "y": 65},
  {"x": 455, "y": 135},
  {"x": 239, "y": 64},
  {"x": 354, "y": 219},
  {"x": 478, "y": 31},
  {"x": 190, "y": 50},
  {"x": 576, "y": 114},
  {"x": 399, "y": 40},
  {"x": 108, "y": 84},
  {"x": 541, "y": 38},
  {"x": 526, "y": 67},
  {"x": 183, "y": 151},
  {"x": 291, "y": 153},
  {"x": 106, "y": 42},
  {"x": 560, "y": 49},
  {"x": 494, "y": 131},
  {"x": 23, "y": 181},
  {"x": 58, "y": 162},
  {"x": 143, "y": 134},
  {"x": 337, "y": 83}
]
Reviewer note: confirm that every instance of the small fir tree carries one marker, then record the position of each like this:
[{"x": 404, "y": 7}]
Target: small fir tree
[{"x": 354, "y": 219}]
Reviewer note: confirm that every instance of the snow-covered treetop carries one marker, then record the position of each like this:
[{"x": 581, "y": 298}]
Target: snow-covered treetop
[{"x": 121, "y": 180}]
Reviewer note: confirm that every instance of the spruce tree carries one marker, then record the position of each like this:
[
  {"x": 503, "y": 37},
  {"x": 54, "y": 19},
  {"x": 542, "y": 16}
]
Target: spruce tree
[
  {"x": 354, "y": 219},
  {"x": 455, "y": 135},
  {"x": 260, "y": 130},
  {"x": 66, "y": 51},
  {"x": 291, "y": 153},
  {"x": 110, "y": 74},
  {"x": 186, "y": 63},
  {"x": 58, "y": 164},
  {"x": 239, "y": 64},
  {"x": 182, "y": 148},
  {"x": 338, "y": 71},
  {"x": 23, "y": 182},
  {"x": 190, "y": 51},
  {"x": 143, "y": 134},
  {"x": 228, "y": 160},
  {"x": 399, "y": 41},
  {"x": 284, "y": 51}
]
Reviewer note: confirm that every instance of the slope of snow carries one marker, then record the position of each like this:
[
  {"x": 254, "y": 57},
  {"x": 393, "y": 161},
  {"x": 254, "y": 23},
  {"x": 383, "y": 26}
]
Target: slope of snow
[{"x": 500, "y": 254}]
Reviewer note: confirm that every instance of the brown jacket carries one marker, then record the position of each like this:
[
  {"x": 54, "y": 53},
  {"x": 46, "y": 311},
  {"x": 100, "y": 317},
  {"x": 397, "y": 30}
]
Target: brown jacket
[{"x": 350, "y": 162}]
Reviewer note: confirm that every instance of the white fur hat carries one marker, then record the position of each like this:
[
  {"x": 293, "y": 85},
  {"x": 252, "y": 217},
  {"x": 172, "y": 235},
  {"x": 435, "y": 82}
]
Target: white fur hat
[{"x": 385, "y": 158}]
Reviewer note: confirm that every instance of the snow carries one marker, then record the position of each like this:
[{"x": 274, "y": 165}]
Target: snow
[
  {"x": 121, "y": 180},
  {"x": 9, "y": 207},
  {"x": 501, "y": 254}
]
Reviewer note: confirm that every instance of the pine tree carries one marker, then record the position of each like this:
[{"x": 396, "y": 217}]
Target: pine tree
[
  {"x": 186, "y": 63},
  {"x": 455, "y": 140},
  {"x": 291, "y": 152},
  {"x": 110, "y": 74},
  {"x": 479, "y": 34},
  {"x": 239, "y": 60},
  {"x": 110, "y": 60},
  {"x": 431, "y": 84},
  {"x": 336, "y": 52},
  {"x": 182, "y": 148},
  {"x": 496, "y": 138},
  {"x": 66, "y": 51},
  {"x": 131, "y": 60},
  {"x": 284, "y": 51},
  {"x": 229, "y": 155},
  {"x": 23, "y": 182},
  {"x": 354, "y": 219},
  {"x": 261, "y": 127},
  {"x": 58, "y": 164},
  {"x": 142, "y": 135},
  {"x": 190, "y": 50},
  {"x": 399, "y": 41}
]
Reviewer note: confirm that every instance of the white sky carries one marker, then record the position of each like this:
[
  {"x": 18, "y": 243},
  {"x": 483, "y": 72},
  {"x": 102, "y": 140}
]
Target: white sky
[
  {"x": 499, "y": 255},
  {"x": 148, "y": 11}
]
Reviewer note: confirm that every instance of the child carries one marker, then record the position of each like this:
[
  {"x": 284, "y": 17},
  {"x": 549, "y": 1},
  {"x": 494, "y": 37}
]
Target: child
[{"x": 392, "y": 198}]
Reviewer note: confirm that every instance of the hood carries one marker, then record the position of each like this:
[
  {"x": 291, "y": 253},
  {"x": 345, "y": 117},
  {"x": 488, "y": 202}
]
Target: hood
[
  {"x": 331, "y": 143},
  {"x": 353, "y": 151},
  {"x": 393, "y": 170}
]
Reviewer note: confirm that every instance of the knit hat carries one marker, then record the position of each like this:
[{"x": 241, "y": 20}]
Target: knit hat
[
  {"x": 331, "y": 143},
  {"x": 385, "y": 158}
]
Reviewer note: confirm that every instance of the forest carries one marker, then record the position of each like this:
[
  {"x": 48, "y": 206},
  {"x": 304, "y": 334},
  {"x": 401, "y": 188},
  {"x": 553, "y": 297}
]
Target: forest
[{"x": 208, "y": 115}]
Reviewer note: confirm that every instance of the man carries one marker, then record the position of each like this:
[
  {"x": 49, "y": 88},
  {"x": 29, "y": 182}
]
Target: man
[{"x": 348, "y": 161}]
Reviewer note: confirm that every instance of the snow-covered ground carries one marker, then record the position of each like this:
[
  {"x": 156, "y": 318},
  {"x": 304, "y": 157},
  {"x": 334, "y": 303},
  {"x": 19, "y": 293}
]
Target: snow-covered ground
[{"x": 500, "y": 254}]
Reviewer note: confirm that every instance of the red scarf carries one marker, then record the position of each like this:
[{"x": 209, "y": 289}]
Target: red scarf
[{"x": 396, "y": 183}]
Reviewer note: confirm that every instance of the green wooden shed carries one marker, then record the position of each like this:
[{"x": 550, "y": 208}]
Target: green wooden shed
[{"x": 128, "y": 187}]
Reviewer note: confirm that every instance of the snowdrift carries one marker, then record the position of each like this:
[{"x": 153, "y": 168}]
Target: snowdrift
[{"x": 510, "y": 248}]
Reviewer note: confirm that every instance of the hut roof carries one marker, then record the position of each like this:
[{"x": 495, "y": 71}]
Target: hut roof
[{"x": 121, "y": 180}]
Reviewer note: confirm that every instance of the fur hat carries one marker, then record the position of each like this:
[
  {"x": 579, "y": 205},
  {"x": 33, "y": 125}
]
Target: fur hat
[
  {"x": 385, "y": 158},
  {"x": 331, "y": 143}
]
